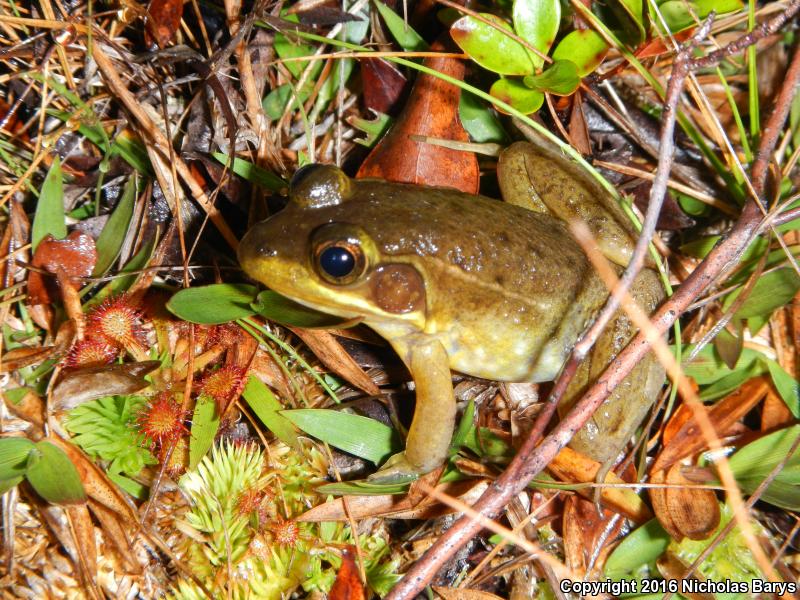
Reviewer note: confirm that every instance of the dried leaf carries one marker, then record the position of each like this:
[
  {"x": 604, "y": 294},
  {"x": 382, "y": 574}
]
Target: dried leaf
[
  {"x": 97, "y": 484},
  {"x": 77, "y": 387},
  {"x": 383, "y": 84},
  {"x": 348, "y": 584},
  {"x": 164, "y": 19},
  {"x": 463, "y": 594},
  {"x": 74, "y": 256},
  {"x": 683, "y": 437},
  {"x": 693, "y": 512},
  {"x": 394, "y": 506},
  {"x": 432, "y": 111},
  {"x": 82, "y": 530},
  {"x": 331, "y": 353},
  {"x": 569, "y": 465}
]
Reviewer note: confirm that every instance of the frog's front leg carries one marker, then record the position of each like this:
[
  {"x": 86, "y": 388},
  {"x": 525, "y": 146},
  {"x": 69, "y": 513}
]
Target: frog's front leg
[{"x": 428, "y": 441}]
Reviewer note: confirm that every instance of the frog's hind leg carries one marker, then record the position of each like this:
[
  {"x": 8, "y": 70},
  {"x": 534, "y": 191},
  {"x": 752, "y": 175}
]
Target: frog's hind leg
[
  {"x": 616, "y": 420},
  {"x": 428, "y": 441}
]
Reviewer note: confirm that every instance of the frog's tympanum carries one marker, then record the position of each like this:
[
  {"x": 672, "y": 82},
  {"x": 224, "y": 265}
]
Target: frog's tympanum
[{"x": 462, "y": 282}]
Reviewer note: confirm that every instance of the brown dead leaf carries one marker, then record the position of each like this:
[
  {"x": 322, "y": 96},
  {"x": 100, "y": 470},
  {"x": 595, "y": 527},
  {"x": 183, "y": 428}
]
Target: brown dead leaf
[
  {"x": 383, "y": 84},
  {"x": 684, "y": 511},
  {"x": 31, "y": 409},
  {"x": 24, "y": 357},
  {"x": 578, "y": 129},
  {"x": 348, "y": 584},
  {"x": 396, "y": 507},
  {"x": 585, "y": 528},
  {"x": 573, "y": 466},
  {"x": 74, "y": 256},
  {"x": 431, "y": 110},
  {"x": 682, "y": 435},
  {"x": 83, "y": 385},
  {"x": 775, "y": 414},
  {"x": 115, "y": 533},
  {"x": 330, "y": 352},
  {"x": 463, "y": 593},
  {"x": 96, "y": 483},
  {"x": 82, "y": 530},
  {"x": 672, "y": 567},
  {"x": 163, "y": 21}
]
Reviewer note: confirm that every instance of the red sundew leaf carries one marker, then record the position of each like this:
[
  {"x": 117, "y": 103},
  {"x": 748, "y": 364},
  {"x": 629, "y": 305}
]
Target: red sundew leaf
[{"x": 74, "y": 256}]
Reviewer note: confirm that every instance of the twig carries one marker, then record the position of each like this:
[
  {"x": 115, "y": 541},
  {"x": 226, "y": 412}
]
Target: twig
[{"x": 765, "y": 29}]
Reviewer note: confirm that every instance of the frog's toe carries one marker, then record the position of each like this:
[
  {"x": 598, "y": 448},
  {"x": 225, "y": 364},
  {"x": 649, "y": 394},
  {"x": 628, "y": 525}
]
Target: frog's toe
[{"x": 395, "y": 470}]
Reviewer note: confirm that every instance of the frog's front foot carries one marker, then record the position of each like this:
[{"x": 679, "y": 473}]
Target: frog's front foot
[{"x": 397, "y": 469}]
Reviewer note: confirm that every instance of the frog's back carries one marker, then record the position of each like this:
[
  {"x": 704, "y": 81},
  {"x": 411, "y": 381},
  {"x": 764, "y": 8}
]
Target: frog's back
[{"x": 508, "y": 290}]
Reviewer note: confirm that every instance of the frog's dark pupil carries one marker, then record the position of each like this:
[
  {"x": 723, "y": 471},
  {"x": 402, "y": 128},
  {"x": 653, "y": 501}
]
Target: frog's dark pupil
[{"x": 337, "y": 261}]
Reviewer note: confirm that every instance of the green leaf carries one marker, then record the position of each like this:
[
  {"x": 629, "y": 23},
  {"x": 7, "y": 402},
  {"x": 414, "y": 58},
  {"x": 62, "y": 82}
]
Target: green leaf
[
  {"x": 585, "y": 47},
  {"x": 361, "y": 436},
  {"x": 373, "y": 128},
  {"x": 465, "y": 426},
  {"x": 271, "y": 305},
  {"x": 491, "y": 48},
  {"x": 8, "y": 484},
  {"x": 49, "y": 218},
  {"x": 14, "y": 456},
  {"x": 640, "y": 547},
  {"x": 205, "y": 424},
  {"x": 109, "y": 243},
  {"x": 631, "y": 16},
  {"x": 560, "y": 78},
  {"x": 213, "y": 304},
  {"x": 480, "y": 120},
  {"x": 771, "y": 291},
  {"x": 521, "y": 97},
  {"x": 276, "y": 101},
  {"x": 362, "y": 488},
  {"x": 406, "y": 37},
  {"x": 267, "y": 408},
  {"x": 255, "y": 175},
  {"x": 752, "y": 463},
  {"x": 707, "y": 367},
  {"x": 677, "y": 16},
  {"x": 53, "y": 476},
  {"x": 536, "y": 22},
  {"x": 288, "y": 48},
  {"x": 786, "y": 385},
  {"x": 123, "y": 282}
]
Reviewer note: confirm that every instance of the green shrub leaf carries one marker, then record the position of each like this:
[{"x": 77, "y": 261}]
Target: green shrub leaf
[
  {"x": 490, "y": 47},
  {"x": 267, "y": 408},
  {"x": 536, "y": 22},
  {"x": 560, "y": 78},
  {"x": 520, "y": 96},
  {"x": 585, "y": 47}
]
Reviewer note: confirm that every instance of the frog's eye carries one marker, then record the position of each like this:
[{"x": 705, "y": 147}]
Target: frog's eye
[{"x": 338, "y": 255}]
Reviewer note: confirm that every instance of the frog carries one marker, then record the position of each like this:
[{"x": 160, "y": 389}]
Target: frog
[{"x": 453, "y": 281}]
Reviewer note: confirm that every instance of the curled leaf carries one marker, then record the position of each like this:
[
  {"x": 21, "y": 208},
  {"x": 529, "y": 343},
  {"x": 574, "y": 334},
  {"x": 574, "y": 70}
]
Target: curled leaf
[{"x": 560, "y": 78}]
